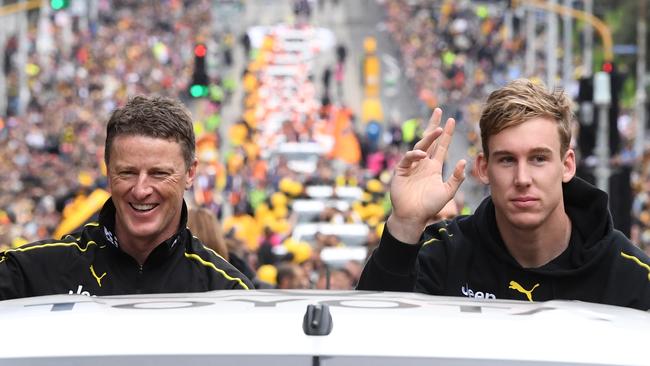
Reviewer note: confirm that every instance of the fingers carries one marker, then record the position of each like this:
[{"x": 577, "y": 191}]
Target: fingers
[
  {"x": 431, "y": 133},
  {"x": 427, "y": 140},
  {"x": 410, "y": 157},
  {"x": 439, "y": 151},
  {"x": 458, "y": 176},
  {"x": 434, "y": 120}
]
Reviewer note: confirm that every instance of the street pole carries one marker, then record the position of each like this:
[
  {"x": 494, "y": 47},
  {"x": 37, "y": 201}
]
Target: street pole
[
  {"x": 21, "y": 61},
  {"x": 507, "y": 20},
  {"x": 44, "y": 39},
  {"x": 530, "y": 41},
  {"x": 567, "y": 56},
  {"x": 551, "y": 47},
  {"x": 93, "y": 13},
  {"x": 641, "y": 118},
  {"x": 602, "y": 99},
  {"x": 588, "y": 41}
]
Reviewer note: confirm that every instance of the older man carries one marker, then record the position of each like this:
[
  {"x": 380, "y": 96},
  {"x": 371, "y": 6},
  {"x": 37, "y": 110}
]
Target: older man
[{"x": 140, "y": 243}]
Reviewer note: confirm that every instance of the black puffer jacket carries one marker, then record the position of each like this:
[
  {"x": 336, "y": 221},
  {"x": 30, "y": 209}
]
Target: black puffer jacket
[{"x": 91, "y": 263}]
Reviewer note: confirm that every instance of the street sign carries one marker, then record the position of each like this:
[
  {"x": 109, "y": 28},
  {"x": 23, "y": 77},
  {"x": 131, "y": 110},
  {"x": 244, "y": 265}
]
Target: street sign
[{"x": 624, "y": 49}]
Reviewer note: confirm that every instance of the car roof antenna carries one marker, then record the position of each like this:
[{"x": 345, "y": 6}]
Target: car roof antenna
[{"x": 317, "y": 320}]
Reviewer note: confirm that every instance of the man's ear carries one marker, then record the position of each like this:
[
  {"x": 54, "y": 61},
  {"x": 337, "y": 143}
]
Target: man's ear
[
  {"x": 191, "y": 173},
  {"x": 569, "y": 165},
  {"x": 480, "y": 164}
]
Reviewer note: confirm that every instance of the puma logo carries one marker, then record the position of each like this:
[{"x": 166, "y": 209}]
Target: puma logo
[
  {"x": 517, "y": 287},
  {"x": 98, "y": 278}
]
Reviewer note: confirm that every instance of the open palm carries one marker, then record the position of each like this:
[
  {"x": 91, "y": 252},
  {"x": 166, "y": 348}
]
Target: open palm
[{"x": 417, "y": 190}]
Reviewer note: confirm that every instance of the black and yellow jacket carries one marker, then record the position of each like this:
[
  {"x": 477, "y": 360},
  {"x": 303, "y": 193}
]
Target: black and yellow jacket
[
  {"x": 467, "y": 257},
  {"x": 91, "y": 263}
]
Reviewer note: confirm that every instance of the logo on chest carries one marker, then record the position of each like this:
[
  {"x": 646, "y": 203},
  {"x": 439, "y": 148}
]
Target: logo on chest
[
  {"x": 97, "y": 278},
  {"x": 476, "y": 294},
  {"x": 80, "y": 288},
  {"x": 519, "y": 288},
  {"x": 80, "y": 291}
]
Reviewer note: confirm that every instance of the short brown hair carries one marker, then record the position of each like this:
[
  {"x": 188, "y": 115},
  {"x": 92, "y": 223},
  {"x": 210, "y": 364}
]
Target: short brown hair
[
  {"x": 522, "y": 100},
  {"x": 153, "y": 116}
]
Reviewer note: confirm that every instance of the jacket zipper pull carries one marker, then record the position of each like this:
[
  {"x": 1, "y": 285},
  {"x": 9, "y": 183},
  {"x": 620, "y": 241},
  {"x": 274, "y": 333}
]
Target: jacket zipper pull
[{"x": 138, "y": 289}]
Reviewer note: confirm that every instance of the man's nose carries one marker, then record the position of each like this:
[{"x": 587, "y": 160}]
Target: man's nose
[
  {"x": 142, "y": 187},
  {"x": 522, "y": 175}
]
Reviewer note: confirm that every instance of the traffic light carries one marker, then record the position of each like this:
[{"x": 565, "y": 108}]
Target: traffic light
[
  {"x": 199, "y": 86},
  {"x": 586, "y": 117},
  {"x": 200, "y": 50},
  {"x": 608, "y": 67},
  {"x": 59, "y": 4}
]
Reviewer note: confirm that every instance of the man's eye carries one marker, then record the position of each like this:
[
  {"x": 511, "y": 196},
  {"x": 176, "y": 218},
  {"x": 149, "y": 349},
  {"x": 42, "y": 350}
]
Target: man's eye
[
  {"x": 506, "y": 160},
  {"x": 540, "y": 158},
  {"x": 160, "y": 174}
]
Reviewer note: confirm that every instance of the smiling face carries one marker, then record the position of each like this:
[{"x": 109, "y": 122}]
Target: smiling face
[
  {"x": 147, "y": 177},
  {"x": 525, "y": 171}
]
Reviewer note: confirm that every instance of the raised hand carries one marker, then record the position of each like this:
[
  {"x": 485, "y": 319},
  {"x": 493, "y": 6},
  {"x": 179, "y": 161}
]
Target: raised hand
[{"x": 417, "y": 190}]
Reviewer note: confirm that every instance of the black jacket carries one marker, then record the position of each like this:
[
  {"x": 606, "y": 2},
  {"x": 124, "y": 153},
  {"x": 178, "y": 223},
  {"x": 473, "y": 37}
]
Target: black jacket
[
  {"x": 91, "y": 263},
  {"x": 467, "y": 257}
]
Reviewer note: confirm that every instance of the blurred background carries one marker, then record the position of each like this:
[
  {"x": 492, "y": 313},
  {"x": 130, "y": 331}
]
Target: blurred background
[{"x": 302, "y": 108}]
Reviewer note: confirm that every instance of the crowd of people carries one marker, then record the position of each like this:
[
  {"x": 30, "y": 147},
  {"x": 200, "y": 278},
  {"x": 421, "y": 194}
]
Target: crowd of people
[{"x": 288, "y": 142}]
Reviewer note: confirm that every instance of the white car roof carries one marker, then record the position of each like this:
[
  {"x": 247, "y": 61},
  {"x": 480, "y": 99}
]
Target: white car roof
[{"x": 265, "y": 328}]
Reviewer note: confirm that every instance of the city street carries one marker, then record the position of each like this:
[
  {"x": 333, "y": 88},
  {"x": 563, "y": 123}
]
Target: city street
[{"x": 352, "y": 22}]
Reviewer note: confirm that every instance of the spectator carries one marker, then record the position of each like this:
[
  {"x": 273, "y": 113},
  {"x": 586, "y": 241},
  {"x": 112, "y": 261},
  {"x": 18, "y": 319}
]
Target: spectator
[
  {"x": 204, "y": 225},
  {"x": 341, "y": 279},
  {"x": 291, "y": 276}
]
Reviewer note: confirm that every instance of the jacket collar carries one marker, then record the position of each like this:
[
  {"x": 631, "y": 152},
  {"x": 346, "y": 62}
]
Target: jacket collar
[{"x": 107, "y": 224}]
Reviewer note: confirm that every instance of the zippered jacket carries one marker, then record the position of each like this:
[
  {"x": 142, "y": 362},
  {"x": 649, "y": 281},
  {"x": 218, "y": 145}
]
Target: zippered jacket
[
  {"x": 467, "y": 257},
  {"x": 91, "y": 262}
]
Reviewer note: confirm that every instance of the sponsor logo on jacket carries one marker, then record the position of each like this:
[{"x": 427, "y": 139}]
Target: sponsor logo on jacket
[
  {"x": 97, "y": 278},
  {"x": 476, "y": 294},
  {"x": 110, "y": 237},
  {"x": 80, "y": 291},
  {"x": 519, "y": 288}
]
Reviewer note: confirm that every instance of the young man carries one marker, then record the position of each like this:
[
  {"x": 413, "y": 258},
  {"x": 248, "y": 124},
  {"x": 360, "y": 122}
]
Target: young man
[
  {"x": 140, "y": 243},
  {"x": 542, "y": 234}
]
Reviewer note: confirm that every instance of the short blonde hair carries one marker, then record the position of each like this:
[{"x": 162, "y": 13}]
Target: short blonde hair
[{"x": 520, "y": 101}]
